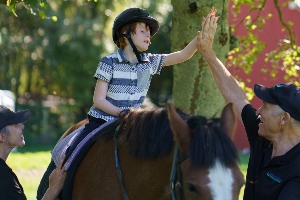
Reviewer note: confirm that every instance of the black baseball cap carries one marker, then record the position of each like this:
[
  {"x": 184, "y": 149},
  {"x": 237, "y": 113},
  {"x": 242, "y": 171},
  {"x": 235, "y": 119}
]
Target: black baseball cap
[
  {"x": 286, "y": 95},
  {"x": 8, "y": 117}
]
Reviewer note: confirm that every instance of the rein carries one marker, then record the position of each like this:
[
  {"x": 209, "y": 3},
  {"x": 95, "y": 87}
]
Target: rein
[
  {"x": 119, "y": 172},
  {"x": 176, "y": 174}
]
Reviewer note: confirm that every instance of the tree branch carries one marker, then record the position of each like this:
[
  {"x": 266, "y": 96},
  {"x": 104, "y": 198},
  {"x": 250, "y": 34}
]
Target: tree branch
[
  {"x": 251, "y": 10},
  {"x": 286, "y": 26},
  {"x": 259, "y": 11}
]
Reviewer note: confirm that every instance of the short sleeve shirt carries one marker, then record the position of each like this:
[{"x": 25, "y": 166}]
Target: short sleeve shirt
[
  {"x": 276, "y": 178},
  {"x": 10, "y": 187},
  {"x": 128, "y": 82}
]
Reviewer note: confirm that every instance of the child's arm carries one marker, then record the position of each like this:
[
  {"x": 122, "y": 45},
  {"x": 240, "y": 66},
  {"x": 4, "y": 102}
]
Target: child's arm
[
  {"x": 100, "y": 99},
  {"x": 189, "y": 50},
  {"x": 181, "y": 56}
]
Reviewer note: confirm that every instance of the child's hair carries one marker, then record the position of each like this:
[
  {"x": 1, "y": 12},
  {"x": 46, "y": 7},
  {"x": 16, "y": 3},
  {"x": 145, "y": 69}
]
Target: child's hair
[{"x": 121, "y": 43}]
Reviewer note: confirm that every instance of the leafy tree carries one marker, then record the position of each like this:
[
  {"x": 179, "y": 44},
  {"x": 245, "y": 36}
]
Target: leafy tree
[
  {"x": 30, "y": 5},
  {"x": 194, "y": 90},
  {"x": 285, "y": 56},
  {"x": 54, "y": 56}
]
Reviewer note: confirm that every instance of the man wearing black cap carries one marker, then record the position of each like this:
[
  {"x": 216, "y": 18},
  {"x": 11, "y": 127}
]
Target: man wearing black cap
[
  {"x": 273, "y": 130},
  {"x": 11, "y": 136}
]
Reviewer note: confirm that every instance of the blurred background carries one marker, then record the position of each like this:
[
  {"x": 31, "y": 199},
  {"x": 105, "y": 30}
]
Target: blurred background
[
  {"x": 50, "y": 51},
  {"x": 50, "y": 54}
]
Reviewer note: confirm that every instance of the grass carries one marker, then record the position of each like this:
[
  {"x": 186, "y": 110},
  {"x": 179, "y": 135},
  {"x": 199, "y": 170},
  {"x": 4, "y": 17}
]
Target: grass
[
  {"x": 244, "y": 158},
  {"x": 30, "y": 163}
]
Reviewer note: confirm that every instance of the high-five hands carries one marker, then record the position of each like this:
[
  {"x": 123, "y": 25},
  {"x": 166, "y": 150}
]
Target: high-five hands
[{"x": 206, "y": 35}]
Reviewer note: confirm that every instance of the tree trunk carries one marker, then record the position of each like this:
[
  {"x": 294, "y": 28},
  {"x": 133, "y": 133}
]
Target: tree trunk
[{"x": 194, "y": 89}]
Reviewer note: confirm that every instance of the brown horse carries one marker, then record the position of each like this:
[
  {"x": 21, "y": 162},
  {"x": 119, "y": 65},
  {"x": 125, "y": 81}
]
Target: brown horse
[{"x": 144, "y": 160}]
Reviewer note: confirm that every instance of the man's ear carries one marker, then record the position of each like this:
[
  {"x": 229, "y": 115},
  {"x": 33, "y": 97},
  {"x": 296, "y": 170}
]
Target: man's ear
[
  {"x": 2, "y": 137},
  {"x": 285, "y": 118}
]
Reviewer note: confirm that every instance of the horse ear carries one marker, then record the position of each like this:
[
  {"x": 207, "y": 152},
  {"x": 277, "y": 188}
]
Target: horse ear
[
  {"x": 228, "y": 120},
  {"x": 181, "y": 131}
]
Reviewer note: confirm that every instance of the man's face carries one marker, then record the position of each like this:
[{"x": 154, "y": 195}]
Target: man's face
[
  {"x": 14, "y": 137},
  {"x": 270, "y": 120}
]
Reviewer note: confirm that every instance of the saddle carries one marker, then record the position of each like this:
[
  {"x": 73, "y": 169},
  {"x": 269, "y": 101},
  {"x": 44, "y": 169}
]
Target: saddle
[{"x": 62, "y": 146}]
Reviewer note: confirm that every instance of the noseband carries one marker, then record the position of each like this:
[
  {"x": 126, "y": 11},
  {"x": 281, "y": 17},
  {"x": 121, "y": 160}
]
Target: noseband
[{"x": 176, "y": 174}]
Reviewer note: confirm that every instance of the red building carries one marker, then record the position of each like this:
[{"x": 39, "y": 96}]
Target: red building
[{"x": 270, "y": 34}]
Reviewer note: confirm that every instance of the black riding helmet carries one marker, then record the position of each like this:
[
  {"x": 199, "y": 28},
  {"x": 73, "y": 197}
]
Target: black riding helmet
[{"x": 134, "y": 15}]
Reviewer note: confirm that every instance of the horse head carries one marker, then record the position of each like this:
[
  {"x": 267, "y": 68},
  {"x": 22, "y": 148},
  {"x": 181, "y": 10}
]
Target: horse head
[{"x": 212, "y": 171}]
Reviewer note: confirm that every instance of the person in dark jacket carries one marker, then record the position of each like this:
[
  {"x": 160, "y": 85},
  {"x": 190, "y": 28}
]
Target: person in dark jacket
[
  {"x": 11, "y": 136},
  {"x": 273, "y": 130}
]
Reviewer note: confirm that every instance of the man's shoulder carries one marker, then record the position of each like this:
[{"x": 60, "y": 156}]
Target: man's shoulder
[
  {"x": 248, "y": 107},
  {"x": 7, "y": 178},
  {"x": 248, "y": 111},
  {"x": 5, "y": 172},
  {"x": 4, "y": 168}
]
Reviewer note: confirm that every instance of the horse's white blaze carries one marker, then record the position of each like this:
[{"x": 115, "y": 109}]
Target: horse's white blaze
[{"x": 221, "y": 182}]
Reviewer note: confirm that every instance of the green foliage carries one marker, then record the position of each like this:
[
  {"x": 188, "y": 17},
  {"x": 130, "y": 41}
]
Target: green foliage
[
  {"x": 253, "y": 4},
  {"x": 285, "y": 57},
  {"x": 288, "y": 58},
  {"x": 30, "y": 5},
  {"x": 246, "y": 54},
  {"x": 53, "y": 57}
]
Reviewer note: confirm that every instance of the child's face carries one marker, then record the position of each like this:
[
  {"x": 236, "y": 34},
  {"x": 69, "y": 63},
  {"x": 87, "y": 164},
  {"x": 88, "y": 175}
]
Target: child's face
[{"x": 141, "y": 38}]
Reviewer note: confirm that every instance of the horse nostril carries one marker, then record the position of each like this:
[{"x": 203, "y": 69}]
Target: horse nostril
[{"x": 192, "y": 188}]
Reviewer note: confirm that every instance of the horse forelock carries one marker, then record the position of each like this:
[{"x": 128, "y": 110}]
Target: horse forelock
[
  {"x": 210, "y": 143},
  {"x": 147, "y": 132}
]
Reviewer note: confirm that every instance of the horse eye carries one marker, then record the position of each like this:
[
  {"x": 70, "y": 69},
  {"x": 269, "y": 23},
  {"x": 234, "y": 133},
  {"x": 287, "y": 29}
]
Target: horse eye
[{"x": 192, "y": 188}]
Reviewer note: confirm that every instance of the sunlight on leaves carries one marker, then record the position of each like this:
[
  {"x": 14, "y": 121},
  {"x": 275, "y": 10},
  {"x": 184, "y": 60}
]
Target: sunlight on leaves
[
  {"x": 249, "y": 91},
  {"x": 54, "y": 18},
  {"x": 42, "y": 14},
  {"x": 286, "y": 59},
  {"x": 246, "y": 54}
]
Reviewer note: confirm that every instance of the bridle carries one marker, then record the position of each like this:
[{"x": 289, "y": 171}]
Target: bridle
[
  {"x": 176, "y": 174},
  {"x": 175, "y": 177}
]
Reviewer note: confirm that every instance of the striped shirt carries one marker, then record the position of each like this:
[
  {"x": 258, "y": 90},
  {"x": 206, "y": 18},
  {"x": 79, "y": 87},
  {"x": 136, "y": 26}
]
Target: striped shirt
[{"x": 128, "y": 82}]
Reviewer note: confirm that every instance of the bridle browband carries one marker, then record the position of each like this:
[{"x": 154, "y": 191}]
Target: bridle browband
[{"x": 175, "y": 177}]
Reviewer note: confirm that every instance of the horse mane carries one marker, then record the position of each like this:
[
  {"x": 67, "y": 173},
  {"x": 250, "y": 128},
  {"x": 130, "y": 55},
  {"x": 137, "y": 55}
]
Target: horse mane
[
  {"x": 147, "y": 132},
  {"x": 148, "y": 135},
  {"x": 209, "y": 143}
]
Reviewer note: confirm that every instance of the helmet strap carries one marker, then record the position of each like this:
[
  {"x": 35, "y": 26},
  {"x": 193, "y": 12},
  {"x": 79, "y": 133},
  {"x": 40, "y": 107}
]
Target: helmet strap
[{"x": 139, "y": 55}]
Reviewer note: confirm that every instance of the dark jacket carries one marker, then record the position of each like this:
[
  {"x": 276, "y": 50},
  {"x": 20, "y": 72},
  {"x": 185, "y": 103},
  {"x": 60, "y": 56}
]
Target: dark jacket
[{"x": 10, "y": 187}]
